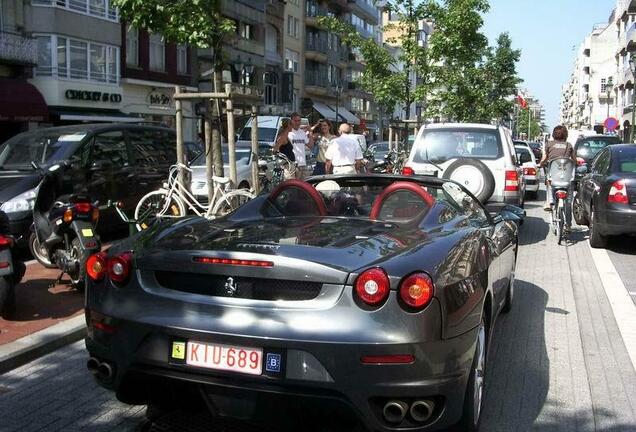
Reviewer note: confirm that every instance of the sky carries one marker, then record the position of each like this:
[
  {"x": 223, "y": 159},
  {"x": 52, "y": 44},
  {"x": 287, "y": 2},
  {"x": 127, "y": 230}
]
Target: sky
[{"x": 547, "y": 32}]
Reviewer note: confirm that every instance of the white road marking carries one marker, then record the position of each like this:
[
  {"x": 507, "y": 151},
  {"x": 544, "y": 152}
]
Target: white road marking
[{"x": 622, "y": 305}]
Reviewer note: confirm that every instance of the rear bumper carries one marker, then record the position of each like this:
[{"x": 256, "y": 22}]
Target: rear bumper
[
  {"x": 141, "y": 358},
  {"x": 619, "y": 221}
]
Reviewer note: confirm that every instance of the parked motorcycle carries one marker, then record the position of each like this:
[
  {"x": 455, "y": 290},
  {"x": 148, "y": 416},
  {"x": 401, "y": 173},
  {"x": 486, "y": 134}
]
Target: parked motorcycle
[
  {"x": 11, "y": 270},
  {"x": 63, "y": 227}
]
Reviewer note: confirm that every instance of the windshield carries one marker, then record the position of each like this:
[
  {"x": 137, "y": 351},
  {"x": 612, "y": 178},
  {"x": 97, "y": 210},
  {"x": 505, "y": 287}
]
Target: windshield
[
  {"x": 442, "y": 145},
  {"x": 43, "y": 147},
  {"x": 264, "y": 134},
  {"x": 242, "y": 157},
  {"x": 589, "y": 147}
]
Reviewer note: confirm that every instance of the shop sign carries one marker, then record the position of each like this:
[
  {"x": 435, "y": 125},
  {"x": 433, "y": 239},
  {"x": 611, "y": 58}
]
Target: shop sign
[
  {"x": 92, "y": 96},
  {"x": 159, "y": 99}
]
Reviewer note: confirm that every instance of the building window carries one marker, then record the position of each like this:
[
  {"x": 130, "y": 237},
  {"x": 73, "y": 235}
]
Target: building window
[
  {"x": 292, "y": 26},
  {"x": 97, "y": 8},
  {"x": 182, "y": 59},
  {"x": 291, "y": 60},
  {"x": 247, "y": 31},
  {"x": 271, "y": 88},
  {"x": 157, "y": 52},
  {"x": 77, "y": 60},
  {"x": 294, "y": 2},
  {"x": 132, "y": 47}
]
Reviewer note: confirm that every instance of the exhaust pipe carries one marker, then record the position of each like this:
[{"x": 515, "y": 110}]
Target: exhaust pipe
[
  {"x": 105, "y": 372},
  {"x": 394, "y": 411},
  {"x": 92, "y": 365},
  {"x": 422, "y": 410}
]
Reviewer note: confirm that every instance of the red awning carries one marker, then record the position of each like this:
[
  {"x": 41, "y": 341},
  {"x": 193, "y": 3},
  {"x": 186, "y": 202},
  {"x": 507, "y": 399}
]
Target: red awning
[{"x": 21, "y": 102}]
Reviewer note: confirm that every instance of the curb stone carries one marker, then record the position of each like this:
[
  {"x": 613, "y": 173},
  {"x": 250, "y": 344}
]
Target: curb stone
[{"x": 28, "y": 348}]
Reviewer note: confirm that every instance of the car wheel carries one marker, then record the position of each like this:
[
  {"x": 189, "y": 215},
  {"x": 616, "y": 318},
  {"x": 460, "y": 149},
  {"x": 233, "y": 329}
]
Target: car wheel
[
  {"x": 474, "y": 175},
  {"x": 39, "y": 252},
  {"x": 475, "y": 390},
  {"x": 597, "y": 240},
  {"x": 578, "y": 212}
]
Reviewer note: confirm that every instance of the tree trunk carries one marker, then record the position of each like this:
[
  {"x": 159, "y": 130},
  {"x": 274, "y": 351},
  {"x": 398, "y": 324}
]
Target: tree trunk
[{"x": 217, "y": 152}]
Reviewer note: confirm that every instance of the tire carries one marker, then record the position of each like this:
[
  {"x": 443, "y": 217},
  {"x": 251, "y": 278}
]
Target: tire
[
  {"x": 597, "y": 240},
  {"x": 560, "y": 222},
  {"x": 39, "y": 253},
  {"x": 474, "y": 175},
  {"x": 473, "y": 400},
  {"x": 153, "y": 204},
  {"x": 78, "y": 279},
  {"x": 510, "y": 293},
  {"x": 578, "y": 212},
  {"x": 7, "y": 295},
  {"x": 229, "y": 202}
]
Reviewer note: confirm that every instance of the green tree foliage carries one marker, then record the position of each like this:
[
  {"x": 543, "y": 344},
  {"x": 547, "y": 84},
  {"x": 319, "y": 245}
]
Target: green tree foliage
[
  {"x": 461, "y": 78},
  {"x": 521, "y": 124},
  {"x": 196, "y": 22}
]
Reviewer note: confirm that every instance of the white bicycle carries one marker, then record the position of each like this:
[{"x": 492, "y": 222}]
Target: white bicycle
[{"x": 173, "y": 200}]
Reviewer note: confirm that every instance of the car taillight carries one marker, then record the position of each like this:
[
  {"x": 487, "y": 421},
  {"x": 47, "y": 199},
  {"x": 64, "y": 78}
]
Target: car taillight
[
  {"x": 561, "y": 194},
  {"x": 5, "y": 242},
  {"x": 417, "y": 290},
  {"x": 512, "y": 181},
  {"x": 83, "y": 207},
  {"x": 408, "y": 171},
  {"x": 580, "y": 161},
  {"x": 372, "y": 286},
  {"x": 119, "y": 267},
  {"x": 618, "y": 193},
  {"x": 96, "y": 266},
  {"x": 530, "y": 171}
]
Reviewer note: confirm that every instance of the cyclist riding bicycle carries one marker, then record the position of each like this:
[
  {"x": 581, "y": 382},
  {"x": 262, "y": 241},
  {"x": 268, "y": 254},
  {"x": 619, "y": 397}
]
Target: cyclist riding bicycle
[{"x": 557, "y": 149}]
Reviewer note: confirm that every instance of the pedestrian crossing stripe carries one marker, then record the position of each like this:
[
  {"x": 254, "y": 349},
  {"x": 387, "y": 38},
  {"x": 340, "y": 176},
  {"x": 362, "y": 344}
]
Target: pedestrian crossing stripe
[{"x": 178, "y": 350}]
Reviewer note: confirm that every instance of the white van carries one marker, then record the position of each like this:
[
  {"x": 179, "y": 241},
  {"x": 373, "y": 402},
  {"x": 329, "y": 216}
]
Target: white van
[{"x": 268, "y": 127}]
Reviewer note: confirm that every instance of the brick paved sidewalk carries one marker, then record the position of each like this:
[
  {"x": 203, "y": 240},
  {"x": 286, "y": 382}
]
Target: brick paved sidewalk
[
  {"x": 557, "y": 362},
  {"x": 38, "y": 305}
]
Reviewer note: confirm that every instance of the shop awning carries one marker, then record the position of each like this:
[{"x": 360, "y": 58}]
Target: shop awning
[
  {"x": 21, "y": 102},
  {"x": 110, "y": 116},
  {"x": 348, "y": 116},
  {"x": 325, "y": 111}
]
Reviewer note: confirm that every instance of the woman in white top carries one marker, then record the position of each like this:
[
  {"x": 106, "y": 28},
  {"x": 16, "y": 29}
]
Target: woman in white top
[{"x": 324, "y": 140}]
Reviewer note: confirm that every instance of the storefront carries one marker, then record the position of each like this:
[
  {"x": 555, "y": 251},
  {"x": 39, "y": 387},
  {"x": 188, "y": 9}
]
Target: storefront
[
  {"x": 153, "y": 101},
  {"x": 22, "y": 107}
]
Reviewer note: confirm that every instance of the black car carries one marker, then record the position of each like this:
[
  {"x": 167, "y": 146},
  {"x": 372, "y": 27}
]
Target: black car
[
  {"x": 367, "y": 299},
  {"x": 606, "y": 201},
  {"x": 109, "y": 162},
  {"x": 587, "y": 148}
]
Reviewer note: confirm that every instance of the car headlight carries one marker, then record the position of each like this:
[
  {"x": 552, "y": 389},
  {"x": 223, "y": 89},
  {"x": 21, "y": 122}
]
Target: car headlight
[{"x": 21, "y": 203}]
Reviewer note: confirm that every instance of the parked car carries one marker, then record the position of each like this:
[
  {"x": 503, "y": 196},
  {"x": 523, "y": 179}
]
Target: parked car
[
  {"x": 606, "y": 201},
  {"x": 588, "y": 147},
  {"x": 380, "y": 150},
  {"x": 193, "y": 149},
  {"x": 119, "y": 162},
  {"x": 268, "y": 127},
  {"x": 478, "y": 156},
  {"x": 530, "y": 170},
  {"x": 369, "y": 295},
  {"x": 198, "y": 184},
  {"x": 534, "y": 147}
]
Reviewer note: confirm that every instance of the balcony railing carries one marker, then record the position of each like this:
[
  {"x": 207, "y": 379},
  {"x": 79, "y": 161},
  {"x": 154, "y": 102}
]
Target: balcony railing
[
  {"x": 314, "y": 10},
  {"x": 316, "y": 78},
  {"x": 367, "y": 7},
  {"x": 16, "y": 48},
  {"x": 318, "y": 44}
]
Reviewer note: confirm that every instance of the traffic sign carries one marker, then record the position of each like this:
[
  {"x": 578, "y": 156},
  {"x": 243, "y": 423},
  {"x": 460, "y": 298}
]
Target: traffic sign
[{"x": 611, "y": 124}]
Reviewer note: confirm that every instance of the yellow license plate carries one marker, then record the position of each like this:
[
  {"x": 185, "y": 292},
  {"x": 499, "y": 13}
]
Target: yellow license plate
[{"x": 87, "y": 232}]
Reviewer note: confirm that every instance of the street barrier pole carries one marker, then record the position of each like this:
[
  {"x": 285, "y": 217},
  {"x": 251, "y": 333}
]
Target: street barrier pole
[
  {"x": 255, "y": 185},
  {"x": 231, "y": 147},
  {"x": 179, "y": 131},
  {"x": 209, "y": 170}
]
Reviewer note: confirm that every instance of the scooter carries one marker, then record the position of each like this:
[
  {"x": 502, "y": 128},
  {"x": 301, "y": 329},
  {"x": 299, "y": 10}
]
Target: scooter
[
  {"x": 63, "y": 227},
  {"x": 11, "y": 271}
]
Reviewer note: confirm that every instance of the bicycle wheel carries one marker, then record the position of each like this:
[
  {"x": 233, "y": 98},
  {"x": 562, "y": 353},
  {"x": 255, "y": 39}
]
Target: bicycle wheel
[
  {"x": 156, "y": 204},
  {"x": 560, "y": 221},
  {"x": 229, "y": 202}
]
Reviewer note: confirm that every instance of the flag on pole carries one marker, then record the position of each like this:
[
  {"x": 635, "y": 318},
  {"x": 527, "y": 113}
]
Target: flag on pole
[{"x": 522, "y": 101}]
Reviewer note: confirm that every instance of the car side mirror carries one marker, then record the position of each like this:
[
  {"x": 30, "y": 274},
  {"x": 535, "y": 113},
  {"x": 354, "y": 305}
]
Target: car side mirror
[{"x": 582, "y": 169}]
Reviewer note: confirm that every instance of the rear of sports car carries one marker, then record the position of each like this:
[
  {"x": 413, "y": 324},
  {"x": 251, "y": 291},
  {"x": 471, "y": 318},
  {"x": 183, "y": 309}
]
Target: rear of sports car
[{"x": 256, "y": 327}]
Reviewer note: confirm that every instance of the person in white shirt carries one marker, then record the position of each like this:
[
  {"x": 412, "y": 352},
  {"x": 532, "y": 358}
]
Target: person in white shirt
[
  {"x": 344, "y": 154},
  {"x": 299, "y": 139}
]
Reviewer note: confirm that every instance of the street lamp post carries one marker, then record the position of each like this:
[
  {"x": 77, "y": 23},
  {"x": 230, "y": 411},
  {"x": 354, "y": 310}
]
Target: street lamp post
[
  {"x": 632, "y": 66},
  {"x": 338, "y": 88}
]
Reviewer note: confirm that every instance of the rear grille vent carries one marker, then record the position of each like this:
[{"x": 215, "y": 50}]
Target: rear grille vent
[{"x": 238, "y": 287}]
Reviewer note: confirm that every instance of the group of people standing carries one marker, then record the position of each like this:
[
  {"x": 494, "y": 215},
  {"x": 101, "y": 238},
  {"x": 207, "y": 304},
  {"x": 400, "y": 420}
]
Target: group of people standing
[{"x": 335, "y": 154}]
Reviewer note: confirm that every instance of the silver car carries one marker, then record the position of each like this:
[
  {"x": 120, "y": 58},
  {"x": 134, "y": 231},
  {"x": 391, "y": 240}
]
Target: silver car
[{"x": 480, "y": 157}]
